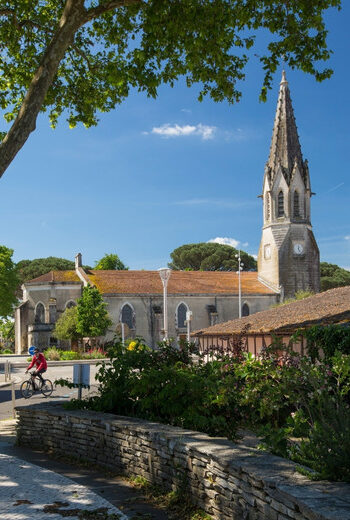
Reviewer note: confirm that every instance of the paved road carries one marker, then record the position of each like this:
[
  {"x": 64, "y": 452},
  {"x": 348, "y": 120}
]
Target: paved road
[{"x": 52, "y": 373}]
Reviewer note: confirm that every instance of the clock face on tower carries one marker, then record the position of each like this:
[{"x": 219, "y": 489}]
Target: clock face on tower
[{"x": 298, "y": 249}]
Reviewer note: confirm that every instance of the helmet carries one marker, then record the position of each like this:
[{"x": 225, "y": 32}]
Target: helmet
[{"x": 36, "y": 350}]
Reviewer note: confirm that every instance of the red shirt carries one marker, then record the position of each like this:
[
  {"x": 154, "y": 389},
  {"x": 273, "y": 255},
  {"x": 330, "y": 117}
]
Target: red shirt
[{"x": 40, "y": 361}]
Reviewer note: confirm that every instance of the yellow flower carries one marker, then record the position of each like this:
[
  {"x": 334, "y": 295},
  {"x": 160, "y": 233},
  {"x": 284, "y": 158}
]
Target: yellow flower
[{"x": 132, "y": 345}]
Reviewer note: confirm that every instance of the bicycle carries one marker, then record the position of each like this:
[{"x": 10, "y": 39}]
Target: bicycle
[{"x": 30, "y": 386}]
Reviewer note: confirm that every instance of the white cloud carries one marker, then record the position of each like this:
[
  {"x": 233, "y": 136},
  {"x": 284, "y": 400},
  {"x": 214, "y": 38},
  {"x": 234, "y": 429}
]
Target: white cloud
[
  {"x": 235, "y": 135},
  {"x": 167, "y": 130},
  {"x": 347, "y": 237},
  {"x": 336, "y": 187},
  {"x": 186, "y": 110},
  {"x": 226, "y": 241}
]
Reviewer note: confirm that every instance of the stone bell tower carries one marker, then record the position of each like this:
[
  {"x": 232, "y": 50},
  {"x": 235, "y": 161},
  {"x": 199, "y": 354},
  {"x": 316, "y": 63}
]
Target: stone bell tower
[{"x": 289, "y": 258}]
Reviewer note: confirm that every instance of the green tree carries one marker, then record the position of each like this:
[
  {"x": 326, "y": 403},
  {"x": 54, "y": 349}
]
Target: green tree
[
  {"x": 333, "y": 276},
  {"x": 66, "y": 325},
  {"x": 92, "y": 316},
  {"x": 110, "y": 262},
  {"x": 209, "y": 256},
  {"x": 7, "y": 332},
  {"x": 29, "y": 269},
  {"x": 8, "y": 282},
  {"x": 82, "y": 56}
]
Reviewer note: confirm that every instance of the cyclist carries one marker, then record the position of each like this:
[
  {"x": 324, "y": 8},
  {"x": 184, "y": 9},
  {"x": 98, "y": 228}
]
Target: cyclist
[{"x": 40, "y": 362}]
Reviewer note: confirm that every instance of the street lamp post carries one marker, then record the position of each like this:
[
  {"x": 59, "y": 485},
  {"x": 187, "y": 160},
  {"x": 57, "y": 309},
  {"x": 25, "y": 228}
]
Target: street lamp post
[
  {"x": 164, "y": 274},
  {"x": 240, "y": 268},
  {"x": 188, "y": 323}
]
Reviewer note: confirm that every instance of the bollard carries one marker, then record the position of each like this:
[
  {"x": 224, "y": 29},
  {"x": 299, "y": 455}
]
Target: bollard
[
  {"x": 13, "y": 395},
  {"x": 80, "y": 390}
]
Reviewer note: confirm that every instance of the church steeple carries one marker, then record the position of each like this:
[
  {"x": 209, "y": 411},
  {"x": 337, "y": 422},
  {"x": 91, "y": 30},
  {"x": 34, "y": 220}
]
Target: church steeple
[
  {"x": 288, "y": 259},
  {"x": 285, "y": 150}
]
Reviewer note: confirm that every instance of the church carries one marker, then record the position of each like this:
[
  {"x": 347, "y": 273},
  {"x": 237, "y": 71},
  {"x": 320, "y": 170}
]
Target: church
[{"x": 288, "y": 261}]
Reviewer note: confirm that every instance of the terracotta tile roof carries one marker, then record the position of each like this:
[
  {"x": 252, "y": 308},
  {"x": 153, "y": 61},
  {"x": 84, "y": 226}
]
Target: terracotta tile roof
[
  {"x": 180, "y": 282},
  {"x": 55, "y": 276},
  {"x": 328, "y": 307}
]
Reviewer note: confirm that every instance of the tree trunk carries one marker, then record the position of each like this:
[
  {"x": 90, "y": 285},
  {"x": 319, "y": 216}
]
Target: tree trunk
[{"x": 72, "y": 18}]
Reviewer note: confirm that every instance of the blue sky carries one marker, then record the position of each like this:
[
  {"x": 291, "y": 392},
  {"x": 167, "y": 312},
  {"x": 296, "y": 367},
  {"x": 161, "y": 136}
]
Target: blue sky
[{"x": 156, "y": 174}]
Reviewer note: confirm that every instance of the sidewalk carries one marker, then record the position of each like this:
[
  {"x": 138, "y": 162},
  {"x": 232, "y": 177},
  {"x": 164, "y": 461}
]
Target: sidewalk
[
  {"x": 35, "y": 487},
  {"x": 4, "y": 383}
]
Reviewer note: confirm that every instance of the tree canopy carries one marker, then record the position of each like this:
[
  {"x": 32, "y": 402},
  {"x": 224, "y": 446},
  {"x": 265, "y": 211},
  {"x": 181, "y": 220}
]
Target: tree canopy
[
  {"x": 8, "y": 282},
  {"x": 66, "y": 325},
  {"x": 82, "y": 57},
  {"x": 110, "y": 262},
  {"x": 7, "y": 332},
  {"x": 92, "y": 316},
  {"x": 209, "y": 256},
  {"x": 333, "y": 276},
  {"x": 29, "y": 269}
]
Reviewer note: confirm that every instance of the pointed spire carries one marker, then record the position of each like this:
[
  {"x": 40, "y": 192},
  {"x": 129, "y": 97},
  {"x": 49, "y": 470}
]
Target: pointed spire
[{"x": 285, "y": 148}]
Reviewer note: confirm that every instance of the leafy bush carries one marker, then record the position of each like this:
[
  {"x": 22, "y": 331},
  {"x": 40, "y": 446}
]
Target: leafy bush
[
  {"x": 324, "y": 342},
  {"x": 96, "y": 353},
  {"x": 6, "y": 351},
  {"x": 281, "y": 395},
  {"x": 68, "y": 355},
  {"x": 53, "y": 354}
]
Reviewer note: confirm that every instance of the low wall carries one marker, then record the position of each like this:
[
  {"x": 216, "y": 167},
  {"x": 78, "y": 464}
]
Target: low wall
[{"x": 229, "y": 481}]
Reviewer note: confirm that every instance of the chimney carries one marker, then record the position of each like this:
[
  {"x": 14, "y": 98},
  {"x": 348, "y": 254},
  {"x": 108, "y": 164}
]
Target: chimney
[{"x": 78, "y": 261}]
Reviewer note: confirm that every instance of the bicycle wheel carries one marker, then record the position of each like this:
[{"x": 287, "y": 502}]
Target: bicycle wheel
[
  {"x": 47, "y": 388},
  {"x": 26, "y": 389}
]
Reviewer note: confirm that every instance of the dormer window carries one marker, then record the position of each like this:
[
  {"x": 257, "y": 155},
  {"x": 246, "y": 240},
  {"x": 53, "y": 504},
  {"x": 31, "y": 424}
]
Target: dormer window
[{"x": 280, "y": 205}]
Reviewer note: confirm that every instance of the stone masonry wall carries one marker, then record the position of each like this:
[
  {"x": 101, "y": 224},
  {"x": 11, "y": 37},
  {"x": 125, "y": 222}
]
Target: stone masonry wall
[{"x": 229, "y": 481}]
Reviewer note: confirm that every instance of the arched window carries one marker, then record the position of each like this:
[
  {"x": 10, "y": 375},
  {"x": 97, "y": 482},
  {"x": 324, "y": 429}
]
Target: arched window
[
  {"x": 267, "y": 206},
  {"x": 181, "y": 316},
  {"x": 245, "y": 310},
  {"x": 280, "y": 205},
  {"x": 296, "y": 206},
  {"x": 70, "y": 304},
  {"x": 40, "y": 313},
  {"x": 128, "y": 316}
]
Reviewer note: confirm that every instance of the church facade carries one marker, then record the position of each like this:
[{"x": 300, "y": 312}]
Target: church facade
[
  {"x": 136, "y": 299},
  {"x": 288, "y": 261}
]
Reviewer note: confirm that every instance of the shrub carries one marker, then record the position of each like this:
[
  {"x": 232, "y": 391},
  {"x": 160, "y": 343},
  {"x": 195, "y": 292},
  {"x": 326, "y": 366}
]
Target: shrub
[
  {"x": 68, "y": 355},
  {"x": 6, "y": 351},
  {"x": 96, "y": 353},
  {"x": 281, "y": 395},
  {"x": 53, "y": 354},
  {"x": 327, "y": 446}
]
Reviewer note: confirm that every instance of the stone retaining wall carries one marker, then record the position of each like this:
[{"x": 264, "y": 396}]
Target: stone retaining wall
[{"x": 229, "y": 481}]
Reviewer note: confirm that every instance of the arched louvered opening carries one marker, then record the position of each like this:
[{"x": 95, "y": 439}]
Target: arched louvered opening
[
  {"x": 267, "y": 206},
  {"x": 70, "y": 304},
  {"x": 280, "y": 204},
  {"x": 296, "y": 205}
]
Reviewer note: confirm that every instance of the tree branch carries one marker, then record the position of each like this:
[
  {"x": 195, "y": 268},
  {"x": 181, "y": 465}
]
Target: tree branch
[
  {"x": 84, "y": 56},
  {"x": 94, "y": 12},
  {"x": 72, "y": 18}
]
